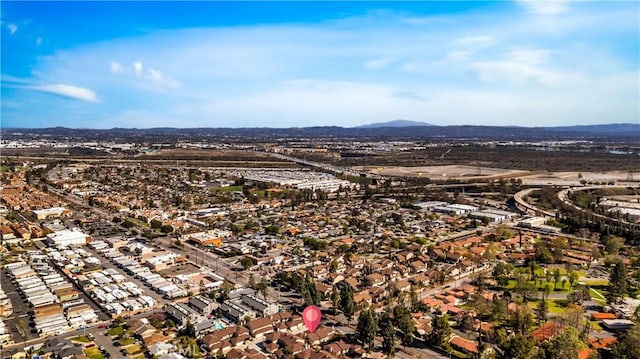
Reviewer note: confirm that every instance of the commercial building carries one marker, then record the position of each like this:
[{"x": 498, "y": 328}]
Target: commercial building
[
  {"x": 53, "y": 212},
  {"x": 67, "y": 238}
]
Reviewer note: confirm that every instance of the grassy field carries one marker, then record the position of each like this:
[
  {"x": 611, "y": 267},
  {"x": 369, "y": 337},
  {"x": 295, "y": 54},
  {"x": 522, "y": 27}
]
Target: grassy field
[
  {"x": 598, "y": 295},
  {"x": 115, "y": 331},
  {"x": 596, "y": 282},
  {"x": 127, "y": 341},
  {"x": 93, "y": 353},
  {"x": 134, "y": 349},
  {"x": 556, "y": 306},
  {"x": 595, "y": 325},
  {"x": 228, "y": 189},
  {"x": 559, "y": 290},
  {"x": 81, "y": 339}
]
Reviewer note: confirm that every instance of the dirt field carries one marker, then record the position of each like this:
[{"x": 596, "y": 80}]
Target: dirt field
[
  {"x": 574, "y": 178},
  {"x": 445, "y": 172},
  {"x": 214, "y": 155}
]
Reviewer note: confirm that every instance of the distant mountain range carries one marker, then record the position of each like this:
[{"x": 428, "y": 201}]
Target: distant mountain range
[
  {"x": 399, "y": 129},
  {"x": 395, "y": 123}
]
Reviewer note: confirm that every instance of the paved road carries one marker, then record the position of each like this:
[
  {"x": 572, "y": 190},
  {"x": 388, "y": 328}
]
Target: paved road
[
  {"x": 519, "y": 198},
  {"x": 564, "y": 197},
  {"x": 19, "y": 310}
]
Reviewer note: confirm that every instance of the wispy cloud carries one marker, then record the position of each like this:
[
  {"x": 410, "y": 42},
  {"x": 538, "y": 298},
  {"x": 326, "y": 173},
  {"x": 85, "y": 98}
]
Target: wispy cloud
[
  {"x": 529, "y": 56},
  {"x": 373, "y": 68},
  {"x": 144, "y": 74},
  {"x": 12, "y": 28},
  {"x": 476, "y": 41},
  {"x": 545, "y": 7},
  {"x": 508, "y": 71},
  {"x": 137, "y": 67},
  {"x": 116, "y": 67},
  {"x": 68, "y": 91},
  {"x": 377, "y": 64}
]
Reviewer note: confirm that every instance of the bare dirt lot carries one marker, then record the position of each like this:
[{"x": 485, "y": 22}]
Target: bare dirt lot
[
  {"x": 630, "y": 178},
  {"x": 445, "y": 172}
]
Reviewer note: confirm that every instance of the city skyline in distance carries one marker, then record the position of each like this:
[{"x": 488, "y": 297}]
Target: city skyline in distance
[{"x": 218, "y": 64}]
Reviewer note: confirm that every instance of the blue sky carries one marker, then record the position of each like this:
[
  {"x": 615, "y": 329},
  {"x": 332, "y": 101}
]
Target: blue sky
[{"x": 290, "y": 64}]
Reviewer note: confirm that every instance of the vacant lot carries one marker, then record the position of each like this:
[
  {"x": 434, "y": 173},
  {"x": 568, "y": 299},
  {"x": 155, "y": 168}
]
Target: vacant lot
[
  {"x": 509, "y": 157},
  {"x": 444, "y": 172}
]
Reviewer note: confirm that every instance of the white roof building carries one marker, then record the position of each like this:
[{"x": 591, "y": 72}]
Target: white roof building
[{"x": 67, "y": 237}]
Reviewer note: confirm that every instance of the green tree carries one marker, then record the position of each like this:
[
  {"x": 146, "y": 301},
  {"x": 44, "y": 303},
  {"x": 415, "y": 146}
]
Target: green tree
[
  {"x": 613, "y": 244},
  {"x": 579, "y": 295},
  {"x": 519, "y": 346},
  {"x": 617, "y": 282},
  {"x": 542, "y": 310},
  {"x": 252, "y": 281},
  {"x": 128, "y": 223},
  {"x": 118, "y": 321},
  {"x": 567, "y": 345},
  {"x": 166, "y": 229},
  {"x": 246, "y": 263},
  {"x": 521, "y": 319},
  {"x": 155, "y": 224},
  {"x": 573, "y": 278},
  {"x": 525, "y": 288},
  {"x": 367, "y": 328},
  {"x": 628, "y": 345},
  {"x": 347, "y": 303},
  {"x": 389, "y": 340},
  {"x": 556, "y": 278},
  {"x": 335, "y": 298},
  {"x": 262, "y": 287},
  {"x": 441, "y": 330},
  {"x": 403, "y": 321}
]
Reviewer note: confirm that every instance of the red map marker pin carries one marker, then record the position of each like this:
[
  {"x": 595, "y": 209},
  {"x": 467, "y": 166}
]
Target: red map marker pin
[{"x": 311, "y": 316}]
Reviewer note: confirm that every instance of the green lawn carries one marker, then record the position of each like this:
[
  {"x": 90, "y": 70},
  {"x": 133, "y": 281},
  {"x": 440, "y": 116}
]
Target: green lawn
[
  {"x": 598, "y": 295},
  {"x": 229, "y": 189},
  {"x": 81, "y": 339},
  {"x": 114, "y": 332},
  {"x": 595, "y": 325},
  {"x": 596, "y": 282},
  {"x": 559, "y": 290},
  {"x": 556, "y": 306},
  {"x": 126, "y": 341},
  {"x": 93, "y": 353},
  {"x": 134, "y": 349}
]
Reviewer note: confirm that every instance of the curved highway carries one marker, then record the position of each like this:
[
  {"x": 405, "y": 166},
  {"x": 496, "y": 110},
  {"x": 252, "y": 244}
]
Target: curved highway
[{"x": 526, "y": 207}]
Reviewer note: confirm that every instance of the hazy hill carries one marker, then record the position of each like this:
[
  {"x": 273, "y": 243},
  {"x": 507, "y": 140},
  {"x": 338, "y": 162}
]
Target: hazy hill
[{"x": 395, "y": 123}]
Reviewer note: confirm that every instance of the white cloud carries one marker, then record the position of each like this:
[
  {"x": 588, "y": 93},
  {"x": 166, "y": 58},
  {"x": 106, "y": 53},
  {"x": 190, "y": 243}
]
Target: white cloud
[
  {"x": 506, "y": 71},
  {"x": 12, "y": 28},
  {"x": 545, "y": 7},
  {"x": 137, "y": 67},
  {"x": 377, "y": 64},
  {"x": 155, "y": 74},
  {"x": 476, "y": 41},
  {"x": 246, "y": 76},
  {"x": 12, "y": 80},
  {"x": 69, "y": 91},
  {"x": 529, "y": 56},
  {"x": 158, "y": 78},
  {"x": 116, "y": 67}
]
